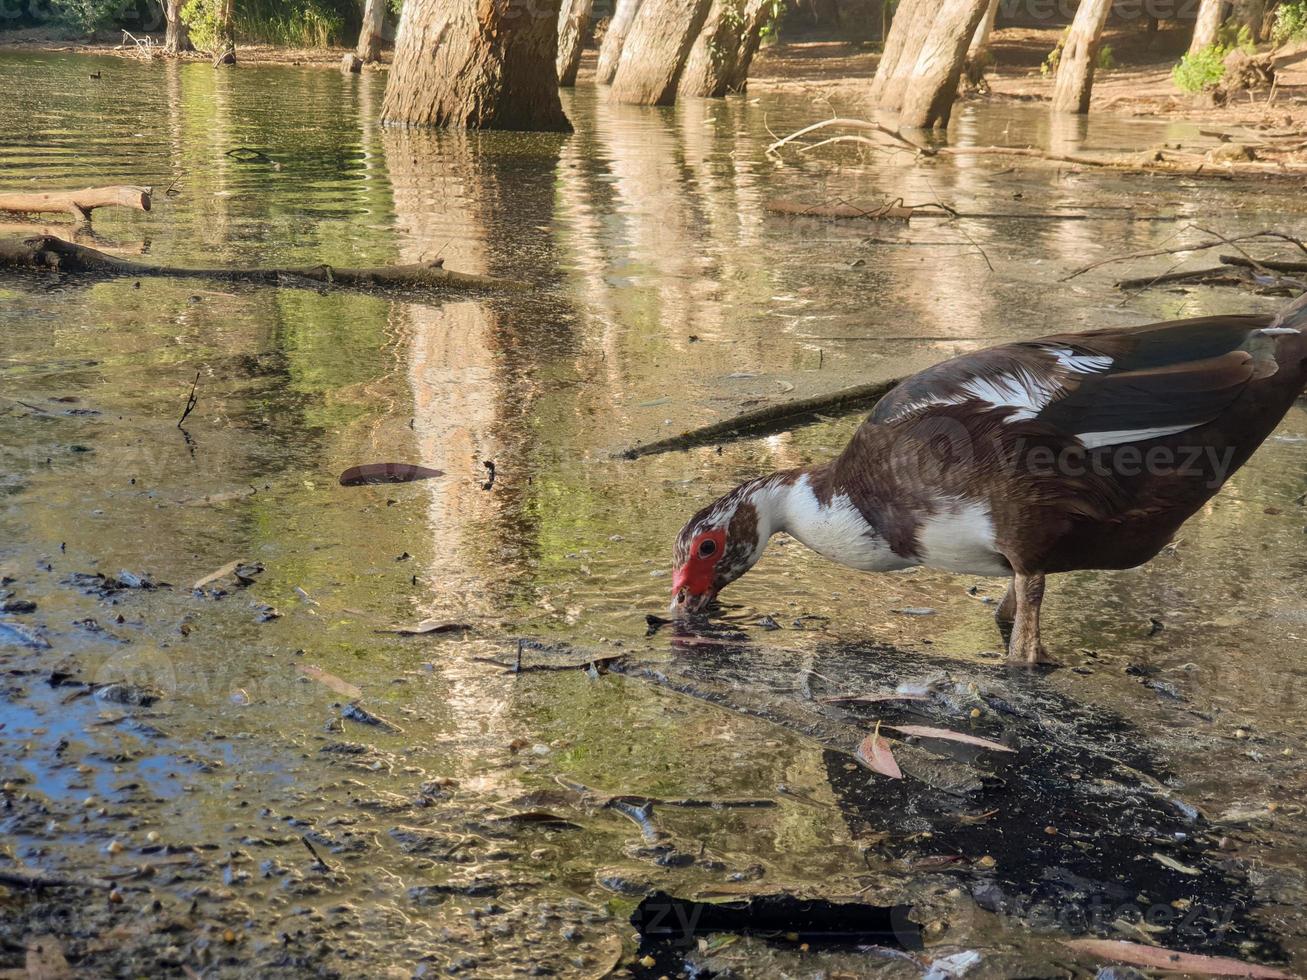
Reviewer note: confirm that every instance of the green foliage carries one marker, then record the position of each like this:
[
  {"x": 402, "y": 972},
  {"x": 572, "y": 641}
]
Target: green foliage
[
  {"x": 94, "y": 15},
  {"x": 774, "y": 12},
  {"x": 1204, "y": 68},
  {"x": 1290, "y": 22},
  {"x": 297, "y": 23},
  {"x": 1105, "y": 60},
  {"x": 1200, "y": 70},
  {"x": 201, "y": 20}
]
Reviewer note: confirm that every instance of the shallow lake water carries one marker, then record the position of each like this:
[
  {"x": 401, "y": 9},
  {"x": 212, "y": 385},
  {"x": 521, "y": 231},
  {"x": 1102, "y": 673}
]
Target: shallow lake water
[{"x": 474, "y": 831}]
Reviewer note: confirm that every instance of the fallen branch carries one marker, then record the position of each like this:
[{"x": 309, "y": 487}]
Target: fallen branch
[
  {"x": 79, "y": 203},
  {"x": 773, "y": 418},
  {"x": 894, "y": 210},
  {"x": 1193, "y": 247},
  {"x": 1188, "y": 164},
  {"x": 1273, "y": 264},
  {"x": 46, "y": 252},
  {"x": 1221, "y": 275},
  {"x": 852, "y": 124},
  {"x": 23, "y": 878}
]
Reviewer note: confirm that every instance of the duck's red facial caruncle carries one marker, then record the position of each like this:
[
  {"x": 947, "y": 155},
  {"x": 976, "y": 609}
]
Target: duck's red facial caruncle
[{"x": 694, "y": 582}]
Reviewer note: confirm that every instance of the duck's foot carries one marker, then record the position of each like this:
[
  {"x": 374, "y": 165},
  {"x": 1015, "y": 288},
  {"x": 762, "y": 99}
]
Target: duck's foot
[{"x": 1030, "y": 656}]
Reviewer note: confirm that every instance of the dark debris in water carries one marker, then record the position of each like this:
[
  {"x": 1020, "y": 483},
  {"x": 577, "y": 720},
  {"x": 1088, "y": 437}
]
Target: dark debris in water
[
  {"x": 664, "y": 919},
  {"x": 1073, "y": 820}
]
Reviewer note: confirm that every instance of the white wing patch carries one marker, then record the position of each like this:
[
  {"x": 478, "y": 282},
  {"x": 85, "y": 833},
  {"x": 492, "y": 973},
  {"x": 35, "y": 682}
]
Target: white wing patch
[
  {"x": 1020, "y": 389},
  {"x": 1079, "y": 363},
  {"x": 1117, "y": 437},
  {"x": 1275, "y": 331}
]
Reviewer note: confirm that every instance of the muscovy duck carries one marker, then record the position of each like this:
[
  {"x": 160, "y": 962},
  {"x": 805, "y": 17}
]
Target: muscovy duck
[{"x": 1073, "y": 451}]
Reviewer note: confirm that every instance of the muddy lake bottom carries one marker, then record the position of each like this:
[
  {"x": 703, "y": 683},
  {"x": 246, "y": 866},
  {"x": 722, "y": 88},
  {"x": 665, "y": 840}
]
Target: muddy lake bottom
[{"x": 225, "y": 752}]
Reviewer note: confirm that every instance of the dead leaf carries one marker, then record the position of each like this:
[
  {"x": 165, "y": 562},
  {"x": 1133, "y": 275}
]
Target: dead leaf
[
  {"x": 875, "y": 754},
  {"x": 223, "y": 572},
  {"x": 1175, "y": 865},
  {"x": 926, "y": 731},
  {"x": 371, "y": 473},
  {"x": 1165, "y": 959},
  {"x": 45, "y": 960},
  {"x": 330, "y": 680}
]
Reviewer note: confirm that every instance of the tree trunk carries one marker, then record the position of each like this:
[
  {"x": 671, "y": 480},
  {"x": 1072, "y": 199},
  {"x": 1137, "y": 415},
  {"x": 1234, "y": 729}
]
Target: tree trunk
[
  {"x": 932, "y": 84},
  {"x": 370, "y": 35},
  {"x": 1075, "y": 68},
  {"x": 757, "y": 14},
  {"x": 1252, "y": 15},
  {"x": 1207, "y": 26},
  {"x": 573, "y": 20},
  {"x": 225, "y": 31},
  {"x": 175, "y": 38},
  {"x": 655, "y": 50},
  {"x": 979, "y": 49},
  {"x": 912, "y": 20},
  {"x": 610, "y": 51},
  {"x": 476, "y": 64},
  {"x": 719, "y": 59}
]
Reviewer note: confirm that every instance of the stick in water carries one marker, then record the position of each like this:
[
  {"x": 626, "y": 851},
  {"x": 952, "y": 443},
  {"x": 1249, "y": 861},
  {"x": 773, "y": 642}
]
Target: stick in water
[{"x": 191, "y": 400}]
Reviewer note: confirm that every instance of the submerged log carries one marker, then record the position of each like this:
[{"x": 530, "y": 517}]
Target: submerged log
[
  {"x": 48, "y": 252},
  {"x": 773, "y": 418},
  {"x": 79, "y": 203}
]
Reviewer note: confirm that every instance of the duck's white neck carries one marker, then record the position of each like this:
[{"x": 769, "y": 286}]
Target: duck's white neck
[{"x": 829, "y": 524}]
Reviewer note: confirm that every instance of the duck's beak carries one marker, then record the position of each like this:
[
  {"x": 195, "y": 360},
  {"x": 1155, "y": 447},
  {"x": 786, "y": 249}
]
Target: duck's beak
[{"x": 685, "y": 603}]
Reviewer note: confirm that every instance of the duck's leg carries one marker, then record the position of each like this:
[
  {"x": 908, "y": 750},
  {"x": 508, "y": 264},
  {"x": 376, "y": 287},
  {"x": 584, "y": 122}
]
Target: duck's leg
[
  {"x": 1006, "y": 613},
  {"x": 1025, "y": 646}
]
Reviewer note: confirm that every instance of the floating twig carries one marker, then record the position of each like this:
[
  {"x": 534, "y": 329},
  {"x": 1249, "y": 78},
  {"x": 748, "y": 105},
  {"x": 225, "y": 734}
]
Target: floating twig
[
  {"x": 317, "y": 858},
  {"x": 191, "y": 400}
]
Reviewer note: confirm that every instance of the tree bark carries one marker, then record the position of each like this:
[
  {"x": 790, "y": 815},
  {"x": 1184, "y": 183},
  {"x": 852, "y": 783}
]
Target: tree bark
[
  {"x": 55, "y": 254},
  {"x": 655, "y": 50},
  {"x": 79, "y": 203},
  {"x": 370, "y": 34},
  {"x": 175, "y": 37},
  {"x": 912, "y": 20},
  {"x": 933, "y": 81},
  {"x": 573, "y": 20},
  {"x": 979, "y": 48},
  {"x": 225, "y": 53},
  {"x": 1075, "y": 68},
  {"x": 476, "y": 64},
  {"x": 610, "y": 51},
  {"x": 1252, "y": 15},
  {"x": 1207, "y": 26},
  {"x": 720, "y": 57}
]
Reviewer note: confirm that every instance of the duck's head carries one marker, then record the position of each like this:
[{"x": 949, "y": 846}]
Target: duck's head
[{"x": 721, "y": 543}]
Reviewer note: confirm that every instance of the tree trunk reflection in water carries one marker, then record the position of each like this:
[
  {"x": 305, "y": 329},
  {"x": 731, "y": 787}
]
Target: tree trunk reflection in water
[{"x": 475, "y": 367}]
